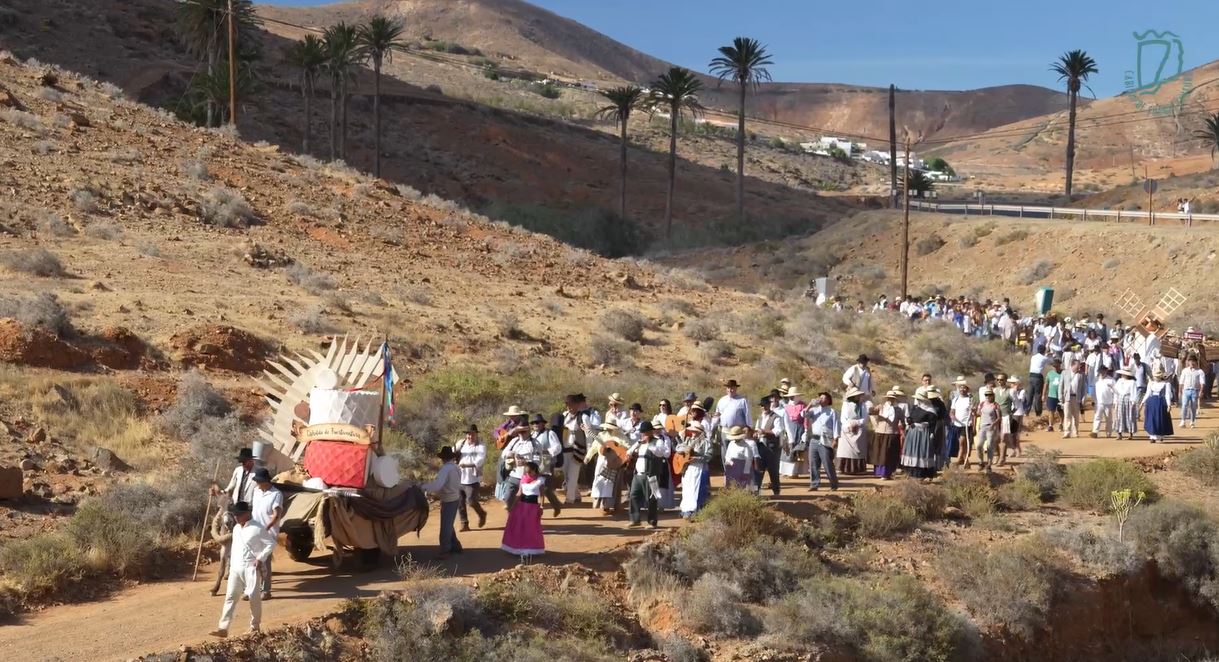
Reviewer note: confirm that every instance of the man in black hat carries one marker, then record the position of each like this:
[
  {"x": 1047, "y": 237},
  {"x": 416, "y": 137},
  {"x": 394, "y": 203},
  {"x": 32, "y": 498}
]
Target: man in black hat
[
  {"x": 687, "y": 401},
  {"x": 240, "y": 487},
  {"x": 648, "y": 454},
  {"x": 550, "y": 451},
  {"x": 251, "y": 547},
  {"x": 471, "y": 454},
  {"x": 268, "y": 507},
  {"x": 447, "y": 488},
  {"x": 859, "y": 376}
]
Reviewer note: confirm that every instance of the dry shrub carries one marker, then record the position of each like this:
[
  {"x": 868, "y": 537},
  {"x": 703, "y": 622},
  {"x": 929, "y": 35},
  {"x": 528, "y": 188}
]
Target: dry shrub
[
  {"x": 41, "y": 566},
  {"x": 1014, "y": 235},
  {"x": 1096, "y": 549},
  {"x": 109, "y": 541},
  {"x": 84, "y": 200},
  {"x": 928, "y": 245},
  {"x": 1203, "y": 462},
  {"x": 940, "y": 349},
  {"x": 702, "y": 330},
  {"x": 713, "y": 606},
  {"x": 606, "y": 351},
  {"x": 625, "y": 324},
  {"x": 928, "y": 501},
  {"x": 99, "y": 413},
  {"x": 1010, "y": 587},
  {"x": 312, "y": 321},
  {"x": 1017, "y": 495},
  {"x": 104, "y": 230},
  {"x": 715, "y": 351},
  {"x": 226, "y": 208},
  {"x": 898, "y": 619},
  {"x": 764, "y": 324},
  {"x": 42, "y": 310},
  {"x": 677, "y": 649},
  {"x": 315, "y": 282},
  {"x": 36, "y": 262},
  {"x": 54, "y": 225},
  {"x": 204, "y": 418},
  {"x": 508, "y": 325},
  {"x": 972, "y": 494},
  {"x": 882, "y": 514},
  {"x": 968, "y": 241},
  {"x": 744, "y": 515},
  {"x": 576, "y": 609},
  {"x": 1038, "y": 272},
  {"x": 1090, "y": 484},
  {"x": 1043, "y": 469},
  {"x": 1184, "y": 543},
  {"x": 196, "y": 170}
]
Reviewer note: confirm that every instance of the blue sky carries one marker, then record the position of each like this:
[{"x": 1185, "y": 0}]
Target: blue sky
[{"x": 938, "y": 44}]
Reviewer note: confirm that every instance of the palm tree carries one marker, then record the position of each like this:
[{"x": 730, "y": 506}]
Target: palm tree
[
  {"x": 920, "y": 184},
  {"x": 1210, "y": 135},
  {"x": 674, "y": 92},
  {"x": 744, "y": 63},
  {"x": 379, "y": 39},
  {"x": 622, "y": 100},
  {"x": 343, "y": 55},
  {"x": 201, "y": 26},
  {"x": 308, "y": 55},
  {"x": 1074, "y": 67}
]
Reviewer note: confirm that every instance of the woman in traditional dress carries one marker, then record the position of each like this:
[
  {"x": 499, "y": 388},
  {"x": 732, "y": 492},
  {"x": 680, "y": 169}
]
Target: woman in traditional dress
[
  {"x": 606, "y": 472},
  {"x": 793, "y": 442},
  {"x": 1127, "y": 403},
  {"x": 885, "y": 447},
  {"x": 523, "y": 532},
  {"x": 1156, "y": 419},
  {"x": 918, "y": 454},
  {"x": 852, "y": 448},
  {"x": 740, "y": 459},
  {"x": 939, "y": 432},
  {"x": 695, "y": 479}
]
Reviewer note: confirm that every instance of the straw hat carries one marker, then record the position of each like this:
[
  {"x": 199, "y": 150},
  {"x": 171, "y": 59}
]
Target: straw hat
[
  {"x": 698, "y": 406},
  {"x": 608, "y": 427},
  {"x": 616, "y": 399},
  {"x": 960, "y": 381},
  {"x": 794, "y": 392},
  {"x": 695, "y": 426},
  {"x": 1125, "y": 373},
  {"x": 893, "y": 394},
  {"x": 515, "y": 411},
  {"x": 897, "y": 390},
  {"x": 852, "y": 392},
  {"x": 736, "y": 433},
  {"x": 787, "y": 381},
  {"x": 1013, "y": 380},
  {"x": 934, "y": 393}
]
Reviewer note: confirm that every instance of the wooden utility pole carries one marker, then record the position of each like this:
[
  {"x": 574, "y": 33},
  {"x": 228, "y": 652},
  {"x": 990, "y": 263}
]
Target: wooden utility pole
[
  {"x": 232, "y": 67},
  {"x": 1151, "y": 190},
  {"x": 892, "y": 147},
  {"x": 905, "y": 221}
]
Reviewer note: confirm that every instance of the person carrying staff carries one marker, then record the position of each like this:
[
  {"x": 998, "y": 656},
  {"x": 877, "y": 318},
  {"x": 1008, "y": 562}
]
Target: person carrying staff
[
  {"x": 251, "y": 547},
  {"x": 241, "y": 484}
]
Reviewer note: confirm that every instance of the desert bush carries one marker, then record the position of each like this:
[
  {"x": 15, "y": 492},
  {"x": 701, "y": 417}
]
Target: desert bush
[
  {"x": 928, "y": 501},
  {"x": 713, "y": 606},
  {"x": 764, "y": 324},
  {"x": 164, "y": 508},
  {"x": 123, "y": 155},
  {"x": 109, "y": 541},
  {"x": 681, "y": 306},
  {"x": 625, "y": 324},
  {"x": 226, "y": 208},
  {"x": 1090, "y": 484},
  {"x": 763, "y": 567},
  {"x": 972, "y": 494},
  {"x": 939, "y": 348},
  {"x": 204, "y": 418},
  {"x": 1094, "y": 548},
  {"x": 1013, "y": 235},
  {"x": 702, "y": 330},
  {"x": 508, "y": 325},
  {"x": 677, "y": 649},
  {"x": 53, "y": 224},
  {"x": 83, "y": 200},
  {"x": 195, "y": 169},
  {"x": 576, "y": 609},
  {"x": 984, "y": 229},
  {"x": 98, "y": 413},
  {"x": 44, "y": 147},
  {"x": 1010, "y": 587},
  {"x": 1203, "y": 462},
  {"x": 149, "y": 248},
  {"x": 315, "y": 282},
  {"x": 882, "y": 514},
  {"x": 897, "y": 619},
  {"x": 35, "y": 262},
  {"x": 968, "y": 241},
  {"x": 928, "y": 245},
  {"x": 104, "y": 230},
  {"x": 41, "y": 565},
  {"x": 744, "y": 515},
  {"x": 1043, "y": 468},
  {"x": 1184, "y": 543},
  {"x": 1019, "y": 494},
  {"x": 42, "y": 310},
  {"x": 27, "y": 121},
  {"x": 603, "y": 350},
  {"x": 397, "y": 628},
  {"x": 1111, "y": 263},
  {"x": 1039, "y": 271},
  {"x": 715, "y": 351},
  {"x": 312, "y": 321}
]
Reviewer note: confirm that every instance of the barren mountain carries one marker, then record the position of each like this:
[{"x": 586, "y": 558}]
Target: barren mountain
[{"x": 534, "y": 38}]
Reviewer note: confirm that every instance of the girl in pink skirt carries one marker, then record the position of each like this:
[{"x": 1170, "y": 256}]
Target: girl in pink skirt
[{"x": 523, "y": 532}]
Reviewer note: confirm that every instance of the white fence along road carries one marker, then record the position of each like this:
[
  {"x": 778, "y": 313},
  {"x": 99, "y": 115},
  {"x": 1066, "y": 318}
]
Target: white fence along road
[{"x": 1073, "y": 213}]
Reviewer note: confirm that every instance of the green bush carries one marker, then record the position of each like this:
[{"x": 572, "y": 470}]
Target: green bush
[
  {"x": 713, "y": 606},
  {"x": 548, "y": 90},
  {"x": 1043, "y": 469},
  {"x": 1011, "y": 587},
  {"x": 1019, "y": 494},
  {"x": 1014, "y": 235},
  {"x": 42, "y": 565},
  {"x": 881, "y": 514},
  {"x": 1090, "y": 484},
  {"x": 1183, "y": 541},
  {"x": 576, "y": 610},
  {"x": 897, "y": 620},
  {"x": 972, "y": 494},
  {"x": 1203, "y": 462},
  {"x": 928, "y": 501},
  {"x": 110, "y": 541},
  {"x": 744, "y": 516},
  {"x": 763, "y": 567},
  {"x": 1095, "y": 548}
]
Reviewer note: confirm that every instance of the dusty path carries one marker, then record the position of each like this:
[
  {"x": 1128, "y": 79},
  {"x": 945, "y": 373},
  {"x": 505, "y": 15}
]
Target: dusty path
[{"x": 165, "y": 615}]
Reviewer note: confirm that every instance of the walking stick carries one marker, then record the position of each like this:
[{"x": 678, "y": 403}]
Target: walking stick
[{"x": 207, "y": 514}]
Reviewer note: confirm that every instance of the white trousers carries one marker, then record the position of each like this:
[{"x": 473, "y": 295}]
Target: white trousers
[
  {"x": 571, "y": 478},
  {"x": 242, "y": 581},
  {"x": 1103, "y": 413}
]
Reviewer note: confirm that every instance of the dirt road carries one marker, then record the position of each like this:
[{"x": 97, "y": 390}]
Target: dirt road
[{"x": 164, "y": 615}]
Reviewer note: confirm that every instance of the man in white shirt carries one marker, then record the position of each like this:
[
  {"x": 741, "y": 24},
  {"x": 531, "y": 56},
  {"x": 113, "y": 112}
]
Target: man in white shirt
[
  {"x": 1106, "y": 403},
  {"x": 1192, "y": 380},
  {"x": 268, "y": 510},
  {"x": 1037, "y": 369},
  {"x": 644, "y": 453},
  {"x": 822, "y": 429},
  {"x": 732, "y": 410},
  {"x": 472, "y": 454},
  {"x": 859, "y": 376},
  {"x": 549, "y": 448},
  {"x": 447, "y": 488},
  {"x": 520, "y": 450},
  {"x": 241, "y": 484},
  {"x": 578, "y": 429},
  {"x": 251, "y": 547}
]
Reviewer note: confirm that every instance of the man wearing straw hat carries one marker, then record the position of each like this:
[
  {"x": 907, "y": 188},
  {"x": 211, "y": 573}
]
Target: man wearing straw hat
[
  {"x": 521, "y": 450},
  {"x": 251, "y": 547},
  {"x": 645, "y": 484},
  {"x": 578, "y": 424}
]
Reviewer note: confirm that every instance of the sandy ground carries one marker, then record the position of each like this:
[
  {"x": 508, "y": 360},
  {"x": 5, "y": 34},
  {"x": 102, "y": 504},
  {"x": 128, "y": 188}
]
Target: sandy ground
[{"x": 165, "y": 615}]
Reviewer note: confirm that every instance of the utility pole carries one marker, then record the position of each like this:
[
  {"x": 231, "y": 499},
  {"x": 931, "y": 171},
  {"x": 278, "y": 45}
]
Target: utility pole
[
  {"x": 232, "y": 67},
  {"x": 892, "y": 148},
  {"x": 905, "y": 220}
]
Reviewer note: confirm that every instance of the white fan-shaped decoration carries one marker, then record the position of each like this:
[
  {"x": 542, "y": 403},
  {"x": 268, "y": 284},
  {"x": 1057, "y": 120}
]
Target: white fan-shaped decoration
[{"x": 288, "y": 380}]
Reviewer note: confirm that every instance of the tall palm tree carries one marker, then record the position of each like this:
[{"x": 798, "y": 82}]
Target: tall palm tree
[
  {"x": 1210, "y": 134},
  {"x": 308, "y": 55},
  {"x": 675, "y": 92},
  {"x": 201, "y": 27},
  {"x": 622, "y": 100},
  {"x": 379, "y": 38},
  {"x": 1074, "y": 67},
  {"x": 343, "y": 56},
  {"x": 744, "y": 63}
]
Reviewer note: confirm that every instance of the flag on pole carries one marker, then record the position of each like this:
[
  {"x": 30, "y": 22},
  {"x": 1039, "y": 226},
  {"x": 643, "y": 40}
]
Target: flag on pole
[{"x": 387, "y": 374}]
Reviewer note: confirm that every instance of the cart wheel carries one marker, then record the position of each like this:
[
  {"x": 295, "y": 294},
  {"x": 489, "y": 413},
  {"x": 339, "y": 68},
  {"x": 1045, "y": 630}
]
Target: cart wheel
[{"x": 300, "y": 545}]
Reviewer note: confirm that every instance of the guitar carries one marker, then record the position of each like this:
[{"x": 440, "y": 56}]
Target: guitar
[
  {"x": 679, "y": 460},
  {"x": 616, "y": 457}
]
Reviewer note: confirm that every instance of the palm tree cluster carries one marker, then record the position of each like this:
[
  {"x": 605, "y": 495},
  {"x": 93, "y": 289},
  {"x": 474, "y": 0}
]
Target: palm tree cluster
[
  {"x": 203, "y": 28},
  {"x": 675, "y": 93}
]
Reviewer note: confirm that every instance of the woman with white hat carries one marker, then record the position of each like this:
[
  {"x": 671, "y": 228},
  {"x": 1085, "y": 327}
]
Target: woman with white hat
[
  {"x": 1127, "y": 403},
  {"x": 852, "y": 448},
  {"x": 1157, "y": 420},
  {"x": 606, "y": 478},
  {"x": 695, "y": 479},
  {"x": 919, "y": 454},
  {"x": 885, "y": 446},
  {"x": 740, "y": 459}
]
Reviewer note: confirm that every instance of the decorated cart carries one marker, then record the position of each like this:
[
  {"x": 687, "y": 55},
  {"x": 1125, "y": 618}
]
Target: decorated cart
[{"x": 342, "y": 493}]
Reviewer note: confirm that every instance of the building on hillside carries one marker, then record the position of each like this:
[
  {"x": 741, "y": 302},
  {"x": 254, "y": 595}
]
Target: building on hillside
[{"x": 825, "y": 144}]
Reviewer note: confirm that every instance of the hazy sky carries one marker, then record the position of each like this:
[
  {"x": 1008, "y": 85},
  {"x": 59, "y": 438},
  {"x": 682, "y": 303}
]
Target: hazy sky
[{"x": 940, "y": 44}]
